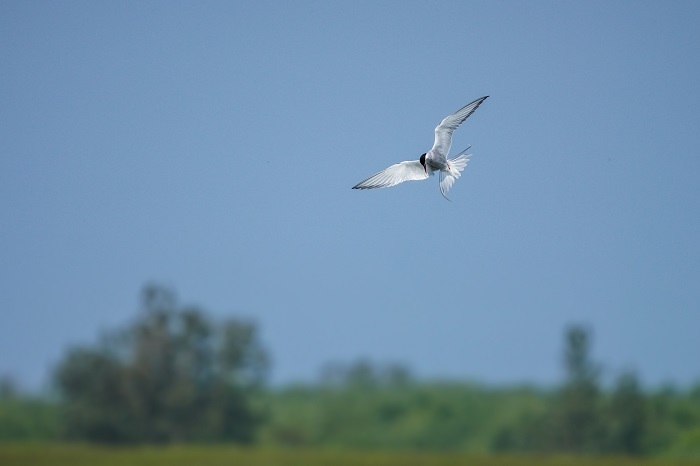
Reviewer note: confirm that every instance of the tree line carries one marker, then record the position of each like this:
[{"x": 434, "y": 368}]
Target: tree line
[
  {"x": 364, "y": 405},
  {"x": 174, "y": 375}
]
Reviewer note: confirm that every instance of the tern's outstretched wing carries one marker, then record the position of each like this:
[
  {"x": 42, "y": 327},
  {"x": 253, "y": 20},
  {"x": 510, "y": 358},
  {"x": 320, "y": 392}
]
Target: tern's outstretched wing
[
  {"x": 443, "y": 131},
  {"x": 395, "y": 174}
]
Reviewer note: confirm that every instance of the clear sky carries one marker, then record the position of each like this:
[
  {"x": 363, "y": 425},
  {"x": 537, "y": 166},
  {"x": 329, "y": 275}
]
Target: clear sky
[{"x": 211, "y": 146}]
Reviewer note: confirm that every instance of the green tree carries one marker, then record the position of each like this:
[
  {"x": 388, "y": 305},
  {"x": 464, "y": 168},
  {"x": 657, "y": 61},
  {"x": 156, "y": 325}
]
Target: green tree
[
  {"x": 626, "y": 416},
  {"x": 171, "y": 376},
  {"x": 576, "y": 418}
]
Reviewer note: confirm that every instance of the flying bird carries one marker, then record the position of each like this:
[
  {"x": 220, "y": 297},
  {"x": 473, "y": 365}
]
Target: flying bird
[{"x": 435, "y": 160}]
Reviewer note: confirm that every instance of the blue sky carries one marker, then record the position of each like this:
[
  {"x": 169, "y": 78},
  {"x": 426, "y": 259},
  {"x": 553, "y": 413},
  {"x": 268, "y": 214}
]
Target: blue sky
[{"x": 211, "y": 146}]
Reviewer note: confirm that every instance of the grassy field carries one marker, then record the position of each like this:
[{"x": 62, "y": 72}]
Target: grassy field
[{"x": 79, "y": 455}]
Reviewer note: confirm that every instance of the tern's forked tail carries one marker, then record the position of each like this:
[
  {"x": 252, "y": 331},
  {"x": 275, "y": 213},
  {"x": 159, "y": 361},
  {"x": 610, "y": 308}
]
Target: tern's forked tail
[{"x": 455, "y": 167}]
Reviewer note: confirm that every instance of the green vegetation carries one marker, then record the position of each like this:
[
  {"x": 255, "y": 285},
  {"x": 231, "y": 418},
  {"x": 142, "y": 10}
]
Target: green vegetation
[
  {"x": 463, "y": 417},
  {"x": 82, "y": 455},
  {"x": 175, "y": 377},
  {"x": 27, "y": 418},
  {"x": 171, "y": 377}
]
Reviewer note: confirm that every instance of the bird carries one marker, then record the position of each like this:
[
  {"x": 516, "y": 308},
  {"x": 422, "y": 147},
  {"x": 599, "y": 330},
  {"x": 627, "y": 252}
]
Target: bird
[{"x": 435, "y": 160}]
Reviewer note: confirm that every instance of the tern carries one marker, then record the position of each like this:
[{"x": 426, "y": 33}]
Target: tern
[{"x": 435, "y": 160}]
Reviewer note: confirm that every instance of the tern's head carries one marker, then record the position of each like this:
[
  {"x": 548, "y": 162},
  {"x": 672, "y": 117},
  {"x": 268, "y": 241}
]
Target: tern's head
[{"x": 422, "y": 162}]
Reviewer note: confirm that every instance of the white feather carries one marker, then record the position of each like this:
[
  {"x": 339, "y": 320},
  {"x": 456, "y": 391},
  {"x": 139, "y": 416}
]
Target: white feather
[
  {"x": 443, "y": 131},
  {"x": 455, "y": 167},
  {"x": 395, "y": 174}
]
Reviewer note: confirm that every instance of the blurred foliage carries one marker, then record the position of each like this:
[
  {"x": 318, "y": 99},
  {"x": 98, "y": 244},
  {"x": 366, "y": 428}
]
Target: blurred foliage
[
  {"x": 28, "y": 418},
  {"x": 576, "y": 420},
  {"x": 366, "y": 406},
  {"x": 421, "y": 415},
  {"x": 173, "y": 376}
]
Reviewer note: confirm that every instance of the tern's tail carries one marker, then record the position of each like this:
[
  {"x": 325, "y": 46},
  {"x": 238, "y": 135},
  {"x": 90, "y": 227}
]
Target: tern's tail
[{"x": 455, "y": 166}]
